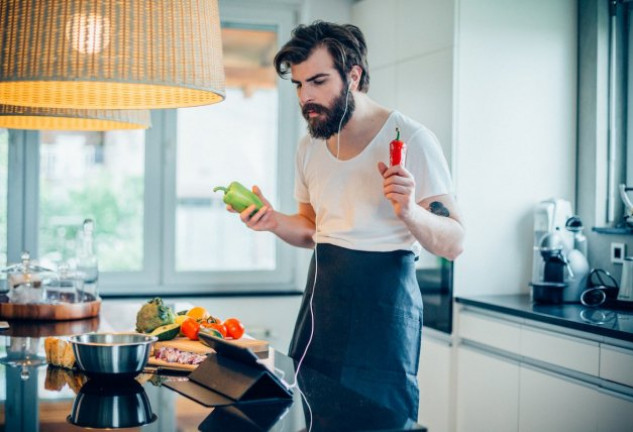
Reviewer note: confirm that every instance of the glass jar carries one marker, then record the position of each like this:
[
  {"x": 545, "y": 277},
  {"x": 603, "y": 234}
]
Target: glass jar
[{"x": 26, "y": 281}]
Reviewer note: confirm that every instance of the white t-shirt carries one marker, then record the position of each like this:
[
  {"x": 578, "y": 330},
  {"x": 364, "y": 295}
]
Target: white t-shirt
[{"x": 347, "y": 196}]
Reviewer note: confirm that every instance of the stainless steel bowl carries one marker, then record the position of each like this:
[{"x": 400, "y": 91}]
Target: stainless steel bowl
[{"x": 108, "y": 355}]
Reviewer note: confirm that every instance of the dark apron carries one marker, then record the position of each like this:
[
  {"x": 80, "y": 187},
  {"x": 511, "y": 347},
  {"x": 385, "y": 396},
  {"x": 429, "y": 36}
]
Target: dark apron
[{"x": 368, "y": 324}]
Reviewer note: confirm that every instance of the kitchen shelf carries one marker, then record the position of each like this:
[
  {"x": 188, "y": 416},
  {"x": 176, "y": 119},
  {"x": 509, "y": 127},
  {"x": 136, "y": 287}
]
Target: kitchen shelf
[{"x": 613, "y": 230}]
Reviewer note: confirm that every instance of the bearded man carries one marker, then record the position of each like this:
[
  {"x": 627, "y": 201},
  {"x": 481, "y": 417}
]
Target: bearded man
[{"x": 360, "y": 321}]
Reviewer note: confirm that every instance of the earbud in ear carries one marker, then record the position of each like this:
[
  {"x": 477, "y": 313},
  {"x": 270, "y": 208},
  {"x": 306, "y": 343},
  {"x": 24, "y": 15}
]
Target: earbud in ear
[{"x": 351, "y": 83}]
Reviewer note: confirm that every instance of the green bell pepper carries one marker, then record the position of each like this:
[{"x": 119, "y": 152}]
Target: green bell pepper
[{"x": 239, "y": 197}]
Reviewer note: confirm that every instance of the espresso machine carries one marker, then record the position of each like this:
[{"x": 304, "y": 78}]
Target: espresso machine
[{"x": 560, "y": 267}]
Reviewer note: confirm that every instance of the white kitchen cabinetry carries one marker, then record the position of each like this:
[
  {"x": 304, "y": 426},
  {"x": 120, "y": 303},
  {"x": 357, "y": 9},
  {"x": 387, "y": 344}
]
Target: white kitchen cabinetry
[
  {"x": 435, "y": 381},
  {"x": 487, "y": 392},
  {"x": 522, "y": 375},
  {"x": 552, "y": 403},
  {"x": 614, "y": 412}
]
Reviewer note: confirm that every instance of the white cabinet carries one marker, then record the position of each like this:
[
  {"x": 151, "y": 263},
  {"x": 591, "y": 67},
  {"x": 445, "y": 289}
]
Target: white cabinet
[
  {"x": 551, "y": 403},
  {"x": 614, "y": 412},
  {"x": 434, "y": 379},
  {"x": 487, "y": 392},
  {"x": 616, "y": 364},
  {"x": 521, "y": 375}
]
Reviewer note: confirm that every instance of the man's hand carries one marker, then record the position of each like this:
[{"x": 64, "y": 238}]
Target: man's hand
[
  {"x": 262, "y": 220},
  {"x": 399, "y": 188}
]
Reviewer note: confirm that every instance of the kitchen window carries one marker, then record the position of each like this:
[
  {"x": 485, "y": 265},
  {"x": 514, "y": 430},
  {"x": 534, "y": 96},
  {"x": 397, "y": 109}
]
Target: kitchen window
[
  {"x": 4, "y": 176},
  {"x": 160, "y": 228}
]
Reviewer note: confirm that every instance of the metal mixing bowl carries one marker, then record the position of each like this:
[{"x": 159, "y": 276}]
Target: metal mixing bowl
[{"x": 112, "y": 355}]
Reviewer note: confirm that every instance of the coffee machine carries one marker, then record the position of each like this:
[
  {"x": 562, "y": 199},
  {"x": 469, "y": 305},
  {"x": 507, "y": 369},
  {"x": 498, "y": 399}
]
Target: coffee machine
[
  {"x": 549, "y": 216},
  {"x": 560, "y": 267}
]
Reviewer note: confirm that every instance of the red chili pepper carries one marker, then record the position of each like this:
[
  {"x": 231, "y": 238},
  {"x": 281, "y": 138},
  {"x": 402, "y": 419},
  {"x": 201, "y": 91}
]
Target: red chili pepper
[{"x": 397, "y": 150}]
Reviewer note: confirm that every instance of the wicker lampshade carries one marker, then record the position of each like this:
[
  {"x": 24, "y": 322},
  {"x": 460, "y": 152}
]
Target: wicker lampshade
[
  {"x": 17, "y": 117},
  {"x": 110, "y": 54}
]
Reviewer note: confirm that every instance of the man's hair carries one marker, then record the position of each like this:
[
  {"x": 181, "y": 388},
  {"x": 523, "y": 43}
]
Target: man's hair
[{"x": 345, "y": 43}]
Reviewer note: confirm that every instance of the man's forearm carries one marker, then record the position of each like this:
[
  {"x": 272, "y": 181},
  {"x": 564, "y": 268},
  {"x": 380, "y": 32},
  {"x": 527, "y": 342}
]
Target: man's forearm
[
  {"x": 296, "y": 230},
  {"x": 439, "y": 234}
]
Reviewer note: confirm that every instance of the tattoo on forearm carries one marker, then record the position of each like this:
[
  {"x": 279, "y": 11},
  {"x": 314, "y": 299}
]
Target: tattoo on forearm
[{"x": 438, "y": 208}]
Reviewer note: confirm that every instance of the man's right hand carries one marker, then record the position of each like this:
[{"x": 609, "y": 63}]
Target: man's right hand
[
  {"x": 263, "y": 220},
  {"x": 296, "y": 229}
]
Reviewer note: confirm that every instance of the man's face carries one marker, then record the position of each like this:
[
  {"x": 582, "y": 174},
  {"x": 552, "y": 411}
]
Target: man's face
[{"x": 322, "y": 94}]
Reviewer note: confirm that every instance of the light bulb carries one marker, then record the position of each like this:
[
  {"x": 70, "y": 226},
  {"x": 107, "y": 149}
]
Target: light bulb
[{"x": 88, "y": 33}]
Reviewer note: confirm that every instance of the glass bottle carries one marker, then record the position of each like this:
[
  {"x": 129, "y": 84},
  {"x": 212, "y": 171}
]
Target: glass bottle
[{"x": 87, "y": 262}]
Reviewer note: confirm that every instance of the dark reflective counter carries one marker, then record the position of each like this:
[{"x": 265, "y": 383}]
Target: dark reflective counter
[
  {"x": 612, "y": 322},
  {"x": 38, "y": 397}
]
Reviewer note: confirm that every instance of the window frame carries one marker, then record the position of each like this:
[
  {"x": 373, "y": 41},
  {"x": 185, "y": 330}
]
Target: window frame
[{"x": 158, "y": 275}]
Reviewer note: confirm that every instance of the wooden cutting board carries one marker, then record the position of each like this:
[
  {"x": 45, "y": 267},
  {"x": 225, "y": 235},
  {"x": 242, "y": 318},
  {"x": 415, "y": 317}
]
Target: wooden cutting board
[{"x": 197, "y": 347}]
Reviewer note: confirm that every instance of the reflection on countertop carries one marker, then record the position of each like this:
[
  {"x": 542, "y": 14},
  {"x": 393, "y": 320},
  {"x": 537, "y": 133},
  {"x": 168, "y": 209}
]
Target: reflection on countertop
[{"x": 615, "y": 323}]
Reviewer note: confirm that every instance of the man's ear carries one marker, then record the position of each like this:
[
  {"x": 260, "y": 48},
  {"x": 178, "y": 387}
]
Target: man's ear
[{"x": 354, "y": 77}]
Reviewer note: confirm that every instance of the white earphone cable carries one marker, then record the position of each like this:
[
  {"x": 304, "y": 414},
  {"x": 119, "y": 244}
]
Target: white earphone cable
[{"x": 316, "y": 269}]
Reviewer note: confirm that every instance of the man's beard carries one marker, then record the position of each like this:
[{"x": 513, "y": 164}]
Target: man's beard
[{"x": 330, "y": 124}]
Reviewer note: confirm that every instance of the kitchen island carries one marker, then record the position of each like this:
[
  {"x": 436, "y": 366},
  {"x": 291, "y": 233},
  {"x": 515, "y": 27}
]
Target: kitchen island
[{"x": 38, "y": 397}]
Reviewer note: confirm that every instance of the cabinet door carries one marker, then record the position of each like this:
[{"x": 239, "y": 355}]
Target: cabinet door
[
  {"x": 555, "y": 403},
  {"x": 487, "y": 392},
  {"x": 434, "y": 379},
  {"x": 615, "y": 412}
]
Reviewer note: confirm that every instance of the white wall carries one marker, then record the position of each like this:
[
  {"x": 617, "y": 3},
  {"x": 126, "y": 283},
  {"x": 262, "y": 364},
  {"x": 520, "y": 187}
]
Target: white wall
[
  {"x": 410, "y": 54},
  {"x": 496, "y": 81},
  {"x": 515, "y": 131},
  {"x": 337, "y": 11}
]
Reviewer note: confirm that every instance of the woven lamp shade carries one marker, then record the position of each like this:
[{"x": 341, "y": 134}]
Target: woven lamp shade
[
  {"x": 110, "y": 54},
  {"x": 16, "y": 117}
]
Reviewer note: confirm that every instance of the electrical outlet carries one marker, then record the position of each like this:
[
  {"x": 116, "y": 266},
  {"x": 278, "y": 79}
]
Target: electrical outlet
[{"x": 618, "y": 252}]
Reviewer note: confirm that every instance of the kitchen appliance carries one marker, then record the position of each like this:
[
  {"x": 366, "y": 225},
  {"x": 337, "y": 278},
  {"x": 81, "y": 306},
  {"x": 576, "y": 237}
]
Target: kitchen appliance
[
  {"x": 562, "y": 274},
  {"x": 625, "y": 294},
  {"x": 549, "y": 216},
  {"x": 435, "y": 280},
  {"x": 628, "y": 205}
]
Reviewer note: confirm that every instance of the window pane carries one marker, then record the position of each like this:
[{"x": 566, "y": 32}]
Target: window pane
[
  {"x": 96, "y": 175},
  {"x": 4, "y": 179},
  {"x": 235, "y": 140}
]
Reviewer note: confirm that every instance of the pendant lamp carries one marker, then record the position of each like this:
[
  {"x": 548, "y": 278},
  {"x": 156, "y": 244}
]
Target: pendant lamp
[
  {"x": 110, "y": 54},
  {"x": 17, "y": 117}
]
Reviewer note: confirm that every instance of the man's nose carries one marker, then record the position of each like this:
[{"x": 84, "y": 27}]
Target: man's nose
[{"x": 305, "y": 95}]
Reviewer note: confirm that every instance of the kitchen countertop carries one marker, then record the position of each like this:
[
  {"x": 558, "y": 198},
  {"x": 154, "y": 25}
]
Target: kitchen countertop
[
  {"x": 34, "y": 396},
  {"x": 608, "y": 322}
]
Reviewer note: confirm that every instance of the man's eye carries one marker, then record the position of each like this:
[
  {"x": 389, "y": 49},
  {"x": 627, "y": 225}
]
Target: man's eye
[{"x": 318, "y": 82}]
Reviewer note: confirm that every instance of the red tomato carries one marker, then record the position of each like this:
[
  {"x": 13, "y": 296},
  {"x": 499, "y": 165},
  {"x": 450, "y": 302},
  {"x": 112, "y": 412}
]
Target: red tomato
[
  {"x": 219, "y": 327},
  {"x": 190, "y": 328},
  {"x": 234, "y": 328}
]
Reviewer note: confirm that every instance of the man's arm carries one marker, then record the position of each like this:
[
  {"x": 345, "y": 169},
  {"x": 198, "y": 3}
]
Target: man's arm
[
  {"x": 296, "y": 229},
  {"x": 435, "y": 222}
]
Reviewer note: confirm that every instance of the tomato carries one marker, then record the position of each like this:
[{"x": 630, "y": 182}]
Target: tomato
[
  {"x": 234, "y": 328},
  {"x": 219, "y": 327},
  {"x": 190, "y": 328}
]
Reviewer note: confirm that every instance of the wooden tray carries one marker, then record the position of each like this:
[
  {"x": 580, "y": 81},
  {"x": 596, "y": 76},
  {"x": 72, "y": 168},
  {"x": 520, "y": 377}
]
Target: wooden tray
[{"x": 50, "y": 312}]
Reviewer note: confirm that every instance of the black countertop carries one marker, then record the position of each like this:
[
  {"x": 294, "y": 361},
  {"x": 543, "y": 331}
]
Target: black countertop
[
  {"x": 34, "y": 396},
  {"x": 609, "y": 322}
]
